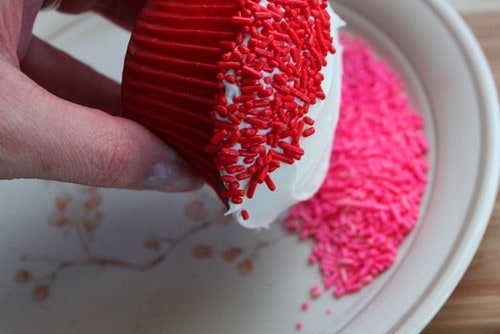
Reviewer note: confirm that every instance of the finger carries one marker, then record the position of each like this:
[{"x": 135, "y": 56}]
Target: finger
[
  {"x": 68, "y": 6},
  {"x": 42, "y": 136},
  {"x": 122, "y": 12},
  {"x": 70, "y": 79}
]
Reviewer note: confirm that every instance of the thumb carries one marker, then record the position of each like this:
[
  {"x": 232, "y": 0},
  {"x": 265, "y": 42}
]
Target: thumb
[{"x": 43, "y": 136}]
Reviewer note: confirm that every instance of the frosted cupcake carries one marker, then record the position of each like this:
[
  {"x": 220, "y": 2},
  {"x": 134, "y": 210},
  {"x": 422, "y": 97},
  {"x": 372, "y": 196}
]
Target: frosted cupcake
[{"x": 247, "y": 91}]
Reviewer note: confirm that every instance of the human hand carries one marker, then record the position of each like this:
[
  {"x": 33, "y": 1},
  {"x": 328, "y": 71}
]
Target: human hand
[{"x": 59, "y": 119}]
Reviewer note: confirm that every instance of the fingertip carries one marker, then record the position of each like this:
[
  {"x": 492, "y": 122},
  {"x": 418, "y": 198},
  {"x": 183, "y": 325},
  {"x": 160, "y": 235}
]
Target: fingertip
[
  {"x": 171, "y": 176},
  {"x": 127, "y": 155}
]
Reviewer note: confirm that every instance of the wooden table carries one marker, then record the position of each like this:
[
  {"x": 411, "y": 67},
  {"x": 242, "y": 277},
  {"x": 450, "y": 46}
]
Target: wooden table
[{"x": 474, "y": 307}]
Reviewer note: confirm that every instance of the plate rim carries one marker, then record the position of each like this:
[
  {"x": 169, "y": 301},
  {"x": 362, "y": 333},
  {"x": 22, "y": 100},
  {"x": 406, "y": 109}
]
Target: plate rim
[{"x": 485, "y": 190}]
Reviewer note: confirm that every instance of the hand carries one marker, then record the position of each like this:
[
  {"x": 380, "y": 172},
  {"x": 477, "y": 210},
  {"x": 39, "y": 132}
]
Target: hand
[{"x": 59, "y": 119}]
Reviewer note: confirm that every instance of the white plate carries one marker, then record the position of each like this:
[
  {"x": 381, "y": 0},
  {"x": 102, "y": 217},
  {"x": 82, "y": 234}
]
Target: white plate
[{"x": 124, "y": 261}]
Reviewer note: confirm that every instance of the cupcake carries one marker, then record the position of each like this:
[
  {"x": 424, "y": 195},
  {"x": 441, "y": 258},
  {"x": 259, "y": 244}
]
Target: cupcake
[{"x": 247, "y": 91}]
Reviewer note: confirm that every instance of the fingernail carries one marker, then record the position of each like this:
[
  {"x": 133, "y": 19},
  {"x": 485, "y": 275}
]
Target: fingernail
[{"x": 172, "y": 176}]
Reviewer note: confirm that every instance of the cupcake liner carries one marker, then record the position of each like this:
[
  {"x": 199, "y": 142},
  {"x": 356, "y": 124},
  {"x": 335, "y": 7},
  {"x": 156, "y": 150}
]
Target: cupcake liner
[{"x": 169, "y": 78}]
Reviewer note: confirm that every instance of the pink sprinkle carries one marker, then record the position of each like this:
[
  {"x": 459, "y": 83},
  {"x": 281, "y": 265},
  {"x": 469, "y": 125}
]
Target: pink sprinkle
[
  {"x": 299, "y": 326},
  {"x": 304, "y": 306},
  {"x": 377, "y": 177},
  {"x": 316, "y": 291},
  {"x": 329, "y": 311}
]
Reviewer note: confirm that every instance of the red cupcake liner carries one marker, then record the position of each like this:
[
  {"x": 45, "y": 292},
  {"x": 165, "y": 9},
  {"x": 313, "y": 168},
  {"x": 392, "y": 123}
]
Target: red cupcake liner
[{"x": 169, "y": 78}]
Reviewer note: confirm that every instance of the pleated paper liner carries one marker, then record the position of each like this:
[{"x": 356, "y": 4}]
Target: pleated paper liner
[{"x": 169, "y": 77}]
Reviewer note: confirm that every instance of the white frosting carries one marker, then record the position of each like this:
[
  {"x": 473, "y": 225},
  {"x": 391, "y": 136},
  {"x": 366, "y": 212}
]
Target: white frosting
[{"x": 302, "y": 179}]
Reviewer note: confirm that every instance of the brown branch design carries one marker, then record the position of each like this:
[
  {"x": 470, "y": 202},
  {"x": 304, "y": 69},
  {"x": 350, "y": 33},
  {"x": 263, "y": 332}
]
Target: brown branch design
[{"x": 80, "y": 211}]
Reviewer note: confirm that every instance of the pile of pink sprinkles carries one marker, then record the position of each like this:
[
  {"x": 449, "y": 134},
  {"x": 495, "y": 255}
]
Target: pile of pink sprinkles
[{"x": 371, "y": 198}]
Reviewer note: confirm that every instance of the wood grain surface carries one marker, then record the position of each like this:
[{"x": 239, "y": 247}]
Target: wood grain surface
[{"x": 474, "y": 306}]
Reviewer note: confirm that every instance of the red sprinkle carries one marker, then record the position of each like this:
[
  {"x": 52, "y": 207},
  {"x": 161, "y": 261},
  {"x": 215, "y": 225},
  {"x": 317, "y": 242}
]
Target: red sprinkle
[
  {"x": 245, "y": 21},
  {"x": 244, "y": 214},
  {"x": 270, "y": 184},
  {"x": 308, "y": 132}
]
